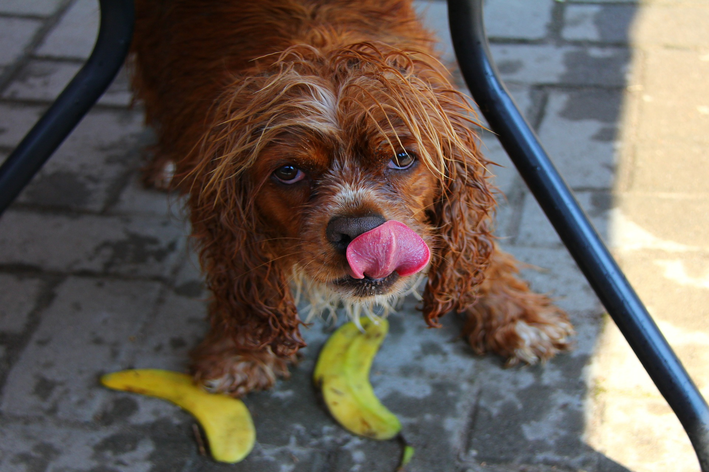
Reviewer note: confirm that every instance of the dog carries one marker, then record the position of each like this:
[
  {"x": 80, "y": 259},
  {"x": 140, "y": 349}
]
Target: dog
[{"x": 321, "y": 144}]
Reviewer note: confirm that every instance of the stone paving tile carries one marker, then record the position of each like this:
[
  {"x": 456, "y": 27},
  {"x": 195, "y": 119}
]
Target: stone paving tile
[
  {"x": 16, "y": 35},
  {"x": 435, "y": 423},
  {"x": 626, "y": 235},
  {"x": 536, "y": 230},
  {"x": 608, "y": 1},
  {"x": 679, "y": 160},
  {"x": 19, "y": 295},
  {"x": 35, "y": 7},
  {"x": 272, "y": 459},
  {"x": 131, "y": 412},
  {"x": 414, "y": 350},
  {"x": 517, "y": 19},
  {"x": 171, "y": 335},
  {"x": 48, "y": 446},
  {"x": 179, "y": 324},
  {"x": 424, "y": 378},
  {"x": 598, "y": 23},
  {"x": 555, "y": 273},
  {"x": 43, "y": 80},
  {"x": 164, "y": 342},
  {"x": 666, "y": 115},
  {"x": 671, "y": 278},
  {"x": 579, "y": 132},
  {"x": 506, "y": 220},
  {"x": 529, "y": 21},
  {"x": 658, "y": 215},
  {"x": 672, "y": 24},
  {"x": 524, "y": 97},
  {"x": 97, "y": 318},
  {"x": 537, "y": 414},
  {"x": 135, "y": 246},
  {"x": 683, "y": 316},
  {"x": 434, "y": 15},
  {"x": 75, "y": 34},
  {"x": 505, "y": 175},
  {"x": 625, "y": 415},
  {"x": 15, "y": 121},
  {"x": 89, "y": 167},
  {"x": 568, "y": 65},
  {"x": 628, "y": 418},
  {"x": 135, "y": 199},
  {"x": 515, "y": 468},
  {"x": 118, "y": 93}
]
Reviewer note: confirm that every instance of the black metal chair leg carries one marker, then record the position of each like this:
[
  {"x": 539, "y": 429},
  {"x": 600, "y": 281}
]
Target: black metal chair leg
[
  {"x": 569, "y": 220},
  {"x": 109, "y": 53}
]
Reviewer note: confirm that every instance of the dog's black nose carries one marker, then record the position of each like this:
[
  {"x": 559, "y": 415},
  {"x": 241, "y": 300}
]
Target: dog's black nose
[{"x": 342, "y": 229}]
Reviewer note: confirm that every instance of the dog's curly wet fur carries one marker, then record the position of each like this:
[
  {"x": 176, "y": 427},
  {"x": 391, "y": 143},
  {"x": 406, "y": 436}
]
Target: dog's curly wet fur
[{"x": 276, "y": 117}]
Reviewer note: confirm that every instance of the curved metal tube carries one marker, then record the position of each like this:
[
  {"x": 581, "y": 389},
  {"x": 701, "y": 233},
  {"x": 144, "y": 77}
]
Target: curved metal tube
[
  {"x": 574, "y": 228},
  {"x": 109, "y": 53}
]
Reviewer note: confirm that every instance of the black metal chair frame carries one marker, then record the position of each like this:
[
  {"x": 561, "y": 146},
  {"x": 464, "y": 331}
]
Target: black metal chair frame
[{"x": 517, "y": 138}]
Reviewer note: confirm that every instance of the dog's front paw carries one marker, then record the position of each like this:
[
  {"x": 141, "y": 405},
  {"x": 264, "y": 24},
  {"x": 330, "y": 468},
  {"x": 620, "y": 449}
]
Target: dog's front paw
[
  {"x": 159, "y": 174},
  {"x": 527, "y": 329},
  {"x": 538, "y": 341},
  {"x": 237, "y": 374}
]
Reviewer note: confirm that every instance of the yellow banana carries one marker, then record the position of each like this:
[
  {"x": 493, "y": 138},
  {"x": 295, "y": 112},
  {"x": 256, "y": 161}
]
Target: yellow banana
[
  {"x": 225, "y": 420},
  {"x": 342, "y": 373}
]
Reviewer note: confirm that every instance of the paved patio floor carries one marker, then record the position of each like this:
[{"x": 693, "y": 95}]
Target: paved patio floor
[{"x": 96, "y": 275}]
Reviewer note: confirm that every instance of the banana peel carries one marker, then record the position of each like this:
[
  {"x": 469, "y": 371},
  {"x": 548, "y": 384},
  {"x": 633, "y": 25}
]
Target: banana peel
[
  {"x": 407, "y": 454},
  {"x": 342, "y": 374},
  {"x": 226, "y": 421}
]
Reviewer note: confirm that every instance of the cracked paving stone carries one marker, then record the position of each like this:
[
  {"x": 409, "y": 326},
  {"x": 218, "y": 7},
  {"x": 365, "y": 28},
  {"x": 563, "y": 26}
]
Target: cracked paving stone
[
  {"x": 136, "y": 246},
  {"x": 89, "y": 167},
  {"x": 84, "y": 333},
  {"x": 158, "y": 447}
]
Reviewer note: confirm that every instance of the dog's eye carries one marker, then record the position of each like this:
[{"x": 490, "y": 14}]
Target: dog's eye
[
  {"x": 289, "y": 174},
  {"x": 402, "y": 161}
]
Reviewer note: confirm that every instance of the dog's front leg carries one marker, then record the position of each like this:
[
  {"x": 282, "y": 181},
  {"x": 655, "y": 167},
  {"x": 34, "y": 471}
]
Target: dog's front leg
[
  {"x": 254, "y": 325},
  {"x": 511, "y": 320},
  {"x": 221, "y": 365}
]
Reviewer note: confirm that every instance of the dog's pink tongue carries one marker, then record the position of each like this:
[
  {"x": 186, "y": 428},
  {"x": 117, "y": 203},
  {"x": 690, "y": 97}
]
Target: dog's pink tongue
[{"x": 390, "y": 247}]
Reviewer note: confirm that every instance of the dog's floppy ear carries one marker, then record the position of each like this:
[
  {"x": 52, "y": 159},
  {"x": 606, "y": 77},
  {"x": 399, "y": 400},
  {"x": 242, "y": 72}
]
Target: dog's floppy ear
[
  {"x": 252, "y": 303},
  {"x": 462, "y": 217},
  {"x": 252, "y": 300}
]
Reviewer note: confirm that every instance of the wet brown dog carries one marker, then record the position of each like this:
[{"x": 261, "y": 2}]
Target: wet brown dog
[{"x": 321, "y": 144}]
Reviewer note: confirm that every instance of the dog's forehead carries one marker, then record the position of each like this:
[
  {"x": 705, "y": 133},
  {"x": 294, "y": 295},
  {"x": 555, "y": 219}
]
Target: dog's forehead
[
  {"x": 332, "y": 154},
  {"x": 346, "y": 143},
  {"x": 323, "y": 127}
]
